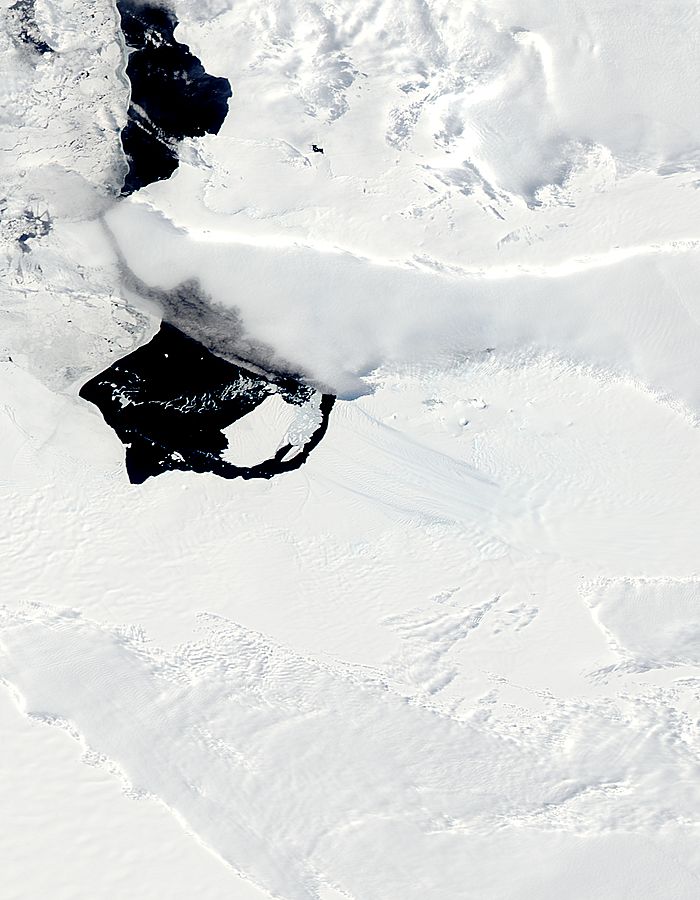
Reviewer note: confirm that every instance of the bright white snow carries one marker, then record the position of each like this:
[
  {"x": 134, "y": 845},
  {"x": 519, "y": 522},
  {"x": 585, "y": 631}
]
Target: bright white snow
[{"x": 457, "y": 653}]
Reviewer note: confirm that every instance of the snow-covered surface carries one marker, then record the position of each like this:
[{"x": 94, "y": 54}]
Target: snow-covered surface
[
  {"x": 457, "y": 653},
  {"x": 270, "y": 426}
]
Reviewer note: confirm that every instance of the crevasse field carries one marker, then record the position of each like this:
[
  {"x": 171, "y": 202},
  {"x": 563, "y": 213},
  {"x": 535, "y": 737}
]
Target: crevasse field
[{"x": 455, "y": 653}]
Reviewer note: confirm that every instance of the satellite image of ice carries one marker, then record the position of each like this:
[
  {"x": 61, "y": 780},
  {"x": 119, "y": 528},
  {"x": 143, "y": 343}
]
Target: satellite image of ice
[{"x": 350, "y": 450}]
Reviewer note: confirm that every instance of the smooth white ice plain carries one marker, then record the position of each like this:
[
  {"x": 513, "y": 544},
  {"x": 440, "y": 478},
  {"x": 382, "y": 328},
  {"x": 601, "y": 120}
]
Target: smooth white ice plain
[{"x": 457, "y": 653}]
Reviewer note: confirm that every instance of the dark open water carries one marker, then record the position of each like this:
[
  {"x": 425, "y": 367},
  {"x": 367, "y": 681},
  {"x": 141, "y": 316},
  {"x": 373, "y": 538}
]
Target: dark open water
[
  {"x": 172, "y": 97},
  {"x": 170, "y": 400}
]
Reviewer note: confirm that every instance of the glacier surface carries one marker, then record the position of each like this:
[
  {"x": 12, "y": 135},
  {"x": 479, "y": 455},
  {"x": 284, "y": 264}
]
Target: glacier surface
[{"x": 453, "y": 654}]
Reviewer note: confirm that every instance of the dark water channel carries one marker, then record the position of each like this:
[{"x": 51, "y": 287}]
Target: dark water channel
[{"x": 172, "y": 97}]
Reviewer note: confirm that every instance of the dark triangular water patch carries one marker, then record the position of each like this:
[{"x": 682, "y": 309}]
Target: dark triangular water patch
[{"x": 170, "y": 400}]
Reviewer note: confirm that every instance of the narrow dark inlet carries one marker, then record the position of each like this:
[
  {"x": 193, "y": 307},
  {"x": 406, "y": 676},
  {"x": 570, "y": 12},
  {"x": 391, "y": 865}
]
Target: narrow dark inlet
[
  {"x": 169, "y": 401},
  {"x": 172, "y": 97}
]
